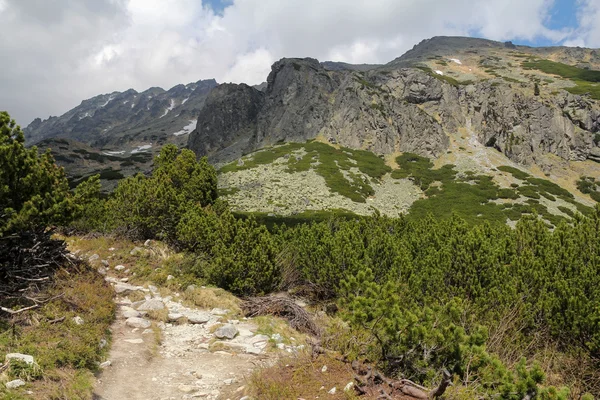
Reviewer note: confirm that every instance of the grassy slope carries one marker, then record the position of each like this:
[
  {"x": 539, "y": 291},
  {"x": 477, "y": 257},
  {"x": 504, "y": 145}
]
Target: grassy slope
[
  {"x": 66, "y": 354},
  {"x": 474, "y": 197},
  {"x": 586, "y": 81},
  {"x": 329, "y": 162}
]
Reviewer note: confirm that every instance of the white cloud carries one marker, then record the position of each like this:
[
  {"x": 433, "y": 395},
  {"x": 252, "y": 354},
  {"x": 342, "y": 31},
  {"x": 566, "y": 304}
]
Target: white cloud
[
  {"x": 250, "y": 67},
  {"x": 588, "y": 34},
  {"x": 68, "y": 50}
]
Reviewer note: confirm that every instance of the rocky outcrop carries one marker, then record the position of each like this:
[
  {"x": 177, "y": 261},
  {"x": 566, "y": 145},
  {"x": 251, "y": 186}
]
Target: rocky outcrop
[
  {"x": 526, "y": 127},
  {"x": 390, "y": 110},
  {"x": 228, "y": 122},
  {"x": 378, "y": 112}
]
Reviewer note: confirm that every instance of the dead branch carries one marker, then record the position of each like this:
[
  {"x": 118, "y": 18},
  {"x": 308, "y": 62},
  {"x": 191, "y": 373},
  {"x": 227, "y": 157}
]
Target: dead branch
[
  {"x": 439, "y": 391},
  {"x": 283, "y": 307},
  {"x": 371, "y": 382},
  {"x": 57, "y": 320},
  {"x": 14, "y": 312}
]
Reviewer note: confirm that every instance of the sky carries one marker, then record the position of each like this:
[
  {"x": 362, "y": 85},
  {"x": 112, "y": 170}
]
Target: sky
[{"x": 56, "y": 53}]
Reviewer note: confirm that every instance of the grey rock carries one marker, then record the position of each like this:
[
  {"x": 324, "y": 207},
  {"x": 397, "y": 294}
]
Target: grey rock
[
  {"x": 254, "y": 350},
  {"x": 594, "y": 154},
  {"x": 228, "y": 331},
  {"x": 151, "y": 305},
  {"x": 105, "y": 263},
  {"x": 105, "y": 364},
  {"x": 219, "y": 311},
  {"x": 277, "y": 338},
  {"x": 122, "y": 287},
  {"x": 78, "y": 320},
  {"x": 26, "y": 358},
  {"x": 17, "y": 383},
  {"x": 93, "y": 258},
  {"x": 403, "y": 109},
  {"x": 136, "y": 251},
  {"x": 102, "y": 271},
  {"x": 173, "y": 317},
  {"x": 128, "y": 312},
  {"x": 120, "y": 268},
  {"x": 197, "y": 317},
  {"x": 136, "y": 322}
]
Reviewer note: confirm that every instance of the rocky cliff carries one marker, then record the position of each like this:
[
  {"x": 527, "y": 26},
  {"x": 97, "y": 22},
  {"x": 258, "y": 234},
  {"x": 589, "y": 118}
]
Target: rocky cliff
[{"x": 395, "y": 109}]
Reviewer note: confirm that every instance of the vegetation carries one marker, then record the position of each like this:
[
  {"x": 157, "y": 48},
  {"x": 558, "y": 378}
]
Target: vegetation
[
  {"x": 414, "y": 296},
  {"x": 36, "y": 277},
  {"x": 472, "y": 196},
  {"x": 328, "y": 161},
  {"x": 587, "y": 81},
  {"x": 589, "y": 185}
]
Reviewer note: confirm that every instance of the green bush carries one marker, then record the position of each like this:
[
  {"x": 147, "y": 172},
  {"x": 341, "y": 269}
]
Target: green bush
[
  {"x": 34, "y": 191},
  {"x": 422, "y": 341},
  {"x": 143, "y": 207}
]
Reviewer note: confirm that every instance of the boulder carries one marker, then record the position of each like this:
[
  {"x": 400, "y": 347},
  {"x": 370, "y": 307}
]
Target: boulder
[
  {"x": 228, "y": 331},
  {"x": 26, "y": 358},
  {"x": 198, "y": 317},
  {"x": 151, "y": 305},
  {"x": 15, "y": 384},
  {"x": 136, "y": 322}
]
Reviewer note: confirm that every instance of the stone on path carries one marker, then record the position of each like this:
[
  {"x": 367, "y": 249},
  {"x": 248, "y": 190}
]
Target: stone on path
[
  {"x": 134, "y": 341},
  {"x": 173, "y": 317},
  {"x": 152, "y": 305},
  {"x": 122, "y": 287},
  {"x": 136, "y": 322},
  {"x": 226, "y": 332},
  {"x": 198, "y": 317}
]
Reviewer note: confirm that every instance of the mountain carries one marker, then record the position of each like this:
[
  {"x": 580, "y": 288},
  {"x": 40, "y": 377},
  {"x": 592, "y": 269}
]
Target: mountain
[
  {"x": 501, "y": 123},
  {"x": 119, "y": 121},
  {"x": 117, "y": 134},
  {"x": 524, "y": 106},
  {"x": 472, "y": 106}
]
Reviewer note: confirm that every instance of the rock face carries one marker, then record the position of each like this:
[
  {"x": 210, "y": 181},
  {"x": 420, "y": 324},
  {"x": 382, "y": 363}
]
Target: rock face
[
  {"x": 303, "y": 100},
  {"x": 229, "y": 120},
  {"x": 391, "y": 109},
  {"x": 524, "y": 128}
]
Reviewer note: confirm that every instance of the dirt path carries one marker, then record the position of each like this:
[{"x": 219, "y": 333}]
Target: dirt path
[{"x": 154, "y": 360}]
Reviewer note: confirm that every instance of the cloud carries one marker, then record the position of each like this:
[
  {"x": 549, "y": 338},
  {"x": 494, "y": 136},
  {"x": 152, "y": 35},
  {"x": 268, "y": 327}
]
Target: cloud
[
  {"x": 588, "y": 33},
  {"x": 63, "y": 51}
]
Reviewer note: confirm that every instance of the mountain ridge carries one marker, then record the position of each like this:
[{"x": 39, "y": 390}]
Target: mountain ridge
[{"x": 521, "y": 101}]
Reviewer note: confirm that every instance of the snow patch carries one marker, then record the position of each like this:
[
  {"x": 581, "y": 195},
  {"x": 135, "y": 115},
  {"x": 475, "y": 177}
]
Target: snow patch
[
  {"x": 184, "y": 100},
  {"x": 456, "y": 60},
  {"x": 87, "y": 114},
  {"x": 132, "y": 105},
  {"x": 171, "y": 106},
  {"x": 108, "y": 101},
  {"x": 126, "y": 101},
  {"x": 187, "y": 129},
  {"x": 113, "y": 153},
  {"x": 437, "y": 71},
  {"x": 141, "y": 149}
]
